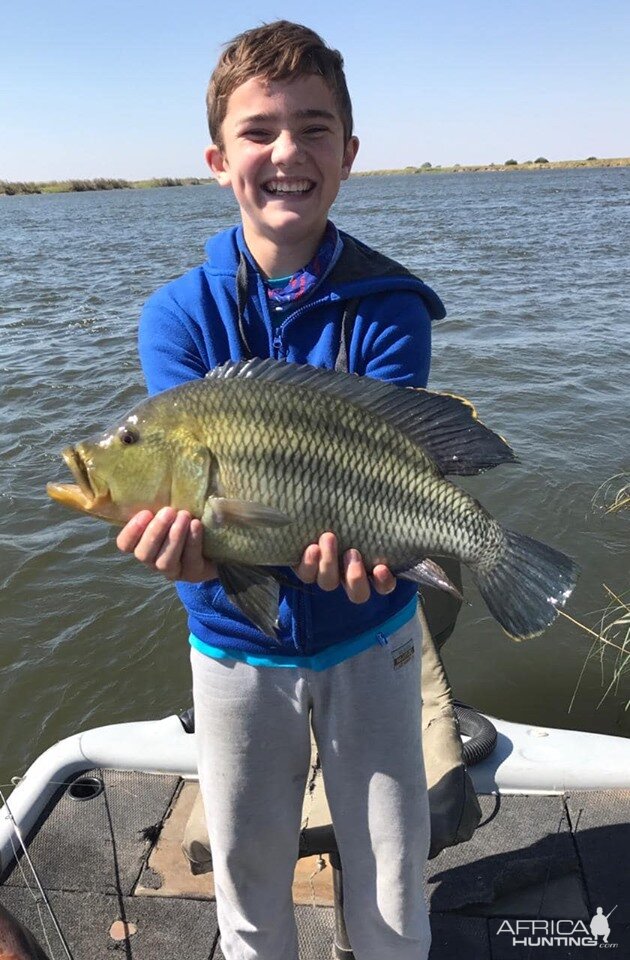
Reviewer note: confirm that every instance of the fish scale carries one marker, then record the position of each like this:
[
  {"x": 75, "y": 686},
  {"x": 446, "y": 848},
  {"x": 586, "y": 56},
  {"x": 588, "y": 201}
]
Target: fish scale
[
  {"x": 270, "y": 455},
  {"x": 346, "y": 489}
]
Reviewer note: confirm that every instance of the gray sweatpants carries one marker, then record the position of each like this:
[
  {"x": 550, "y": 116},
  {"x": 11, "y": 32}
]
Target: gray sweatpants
[{"x": 253, "y": 735}]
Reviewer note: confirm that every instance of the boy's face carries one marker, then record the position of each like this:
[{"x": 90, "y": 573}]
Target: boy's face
[{"x": 284, "y": 155}]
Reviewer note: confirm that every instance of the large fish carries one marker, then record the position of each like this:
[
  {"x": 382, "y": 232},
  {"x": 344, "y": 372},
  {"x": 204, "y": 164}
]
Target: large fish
[{"x": 269, "y": 455}]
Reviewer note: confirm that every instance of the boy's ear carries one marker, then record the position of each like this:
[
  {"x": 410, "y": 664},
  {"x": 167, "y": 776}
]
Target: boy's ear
[
  {"x": 218, "y": 164},
  {"x": 349, "y": 154}
]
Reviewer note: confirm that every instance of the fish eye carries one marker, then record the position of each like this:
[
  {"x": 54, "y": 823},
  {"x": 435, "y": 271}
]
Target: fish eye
[{"x": 128, "y": 436}]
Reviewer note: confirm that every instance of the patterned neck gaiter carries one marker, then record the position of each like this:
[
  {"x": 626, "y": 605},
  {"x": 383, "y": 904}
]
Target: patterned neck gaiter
[{"x": 307, "y": 277}]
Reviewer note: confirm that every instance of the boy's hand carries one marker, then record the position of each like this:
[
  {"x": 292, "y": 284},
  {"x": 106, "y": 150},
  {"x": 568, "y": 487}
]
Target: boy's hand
[
  {"x": 170, "y": 543},
  {"x": 320, "y": 564}
]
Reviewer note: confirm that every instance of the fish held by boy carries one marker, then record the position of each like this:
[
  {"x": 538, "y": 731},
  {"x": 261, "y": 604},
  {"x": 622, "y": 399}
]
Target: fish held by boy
[{"x": 269, "y": 455}]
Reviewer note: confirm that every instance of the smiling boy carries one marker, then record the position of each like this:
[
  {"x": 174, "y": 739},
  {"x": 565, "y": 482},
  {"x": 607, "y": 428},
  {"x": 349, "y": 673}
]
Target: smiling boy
[
  {"x": 283, "y": 150},
  {"x": 287, "y": 284}
]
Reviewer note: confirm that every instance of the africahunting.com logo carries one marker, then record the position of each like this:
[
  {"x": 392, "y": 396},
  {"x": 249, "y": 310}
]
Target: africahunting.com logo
[{"x": 560, "y": 933}]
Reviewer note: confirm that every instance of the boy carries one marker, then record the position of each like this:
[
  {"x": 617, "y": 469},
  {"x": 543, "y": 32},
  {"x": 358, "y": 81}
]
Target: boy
[{"x": 287, "y": 284}]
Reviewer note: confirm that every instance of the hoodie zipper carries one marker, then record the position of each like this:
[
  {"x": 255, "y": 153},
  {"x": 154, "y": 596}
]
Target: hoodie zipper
[
  {"x": 278, "y": 336},
  {"x": 303, "y": 634}
]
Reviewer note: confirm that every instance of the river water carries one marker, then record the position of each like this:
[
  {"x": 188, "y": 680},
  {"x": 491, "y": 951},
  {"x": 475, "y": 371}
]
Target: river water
[{"x": 533, "y": 268}]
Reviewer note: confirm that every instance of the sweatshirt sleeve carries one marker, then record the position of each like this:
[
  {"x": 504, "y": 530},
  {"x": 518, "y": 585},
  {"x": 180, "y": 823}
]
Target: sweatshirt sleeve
[
  {"x": 171, "y": 349},
  {"x": 392, "y": 337}
]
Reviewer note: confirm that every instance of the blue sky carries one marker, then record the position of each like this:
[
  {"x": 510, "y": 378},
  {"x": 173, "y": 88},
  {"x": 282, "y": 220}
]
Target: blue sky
[{"x": 117, "y": 88}]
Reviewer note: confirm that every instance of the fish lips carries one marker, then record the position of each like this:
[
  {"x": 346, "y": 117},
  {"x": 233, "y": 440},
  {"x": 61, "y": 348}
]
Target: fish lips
[
  {"x": 87, "y": 495},
  {"x": 78, "y": 469}
]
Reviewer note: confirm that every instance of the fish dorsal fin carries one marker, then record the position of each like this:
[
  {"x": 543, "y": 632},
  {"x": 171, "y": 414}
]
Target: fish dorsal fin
[{"x": 446, "y": 427}]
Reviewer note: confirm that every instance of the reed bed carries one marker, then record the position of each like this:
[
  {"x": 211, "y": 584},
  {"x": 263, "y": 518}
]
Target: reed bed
[
  {"x": 613, "y": 629},
  {"x": 10, "y": 189}
]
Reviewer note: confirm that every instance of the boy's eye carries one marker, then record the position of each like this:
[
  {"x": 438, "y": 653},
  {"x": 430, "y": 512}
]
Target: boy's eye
[
  {"x": 257, "y": 134},
  {"x": 315, "y": 131},
  {"x": 261, "y": 135}
]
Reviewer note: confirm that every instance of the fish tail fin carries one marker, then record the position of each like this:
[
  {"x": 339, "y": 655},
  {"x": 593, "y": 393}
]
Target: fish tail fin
[{"x": 525, "y": 584}]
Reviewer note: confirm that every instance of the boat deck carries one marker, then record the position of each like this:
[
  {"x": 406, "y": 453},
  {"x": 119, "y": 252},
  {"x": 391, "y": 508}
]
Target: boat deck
[{"x": 118, "y": 856}]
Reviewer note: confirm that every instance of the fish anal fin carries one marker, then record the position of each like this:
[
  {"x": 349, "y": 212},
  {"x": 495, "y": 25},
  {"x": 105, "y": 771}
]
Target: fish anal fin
[{"x": 430, "y": 574}]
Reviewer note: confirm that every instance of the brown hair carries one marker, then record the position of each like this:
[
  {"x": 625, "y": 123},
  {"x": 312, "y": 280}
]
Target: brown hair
[{"x": 276, "y": 51}]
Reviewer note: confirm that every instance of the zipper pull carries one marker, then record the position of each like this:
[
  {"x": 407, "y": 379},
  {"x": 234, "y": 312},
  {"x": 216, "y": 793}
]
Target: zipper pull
[{"x": 382, "y": 639}]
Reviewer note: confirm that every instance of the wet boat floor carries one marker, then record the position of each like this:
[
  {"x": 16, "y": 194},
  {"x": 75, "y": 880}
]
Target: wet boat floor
[{"x": 118, "y": 857}]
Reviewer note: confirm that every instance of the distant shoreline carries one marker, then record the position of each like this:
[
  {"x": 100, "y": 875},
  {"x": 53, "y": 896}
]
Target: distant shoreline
[
  {"x": 101, "y": 183},
  {"x": 508, "y": 167}
]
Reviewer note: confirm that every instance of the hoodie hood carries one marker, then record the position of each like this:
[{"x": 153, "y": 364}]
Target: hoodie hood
[{"x": 358, "y": 270}]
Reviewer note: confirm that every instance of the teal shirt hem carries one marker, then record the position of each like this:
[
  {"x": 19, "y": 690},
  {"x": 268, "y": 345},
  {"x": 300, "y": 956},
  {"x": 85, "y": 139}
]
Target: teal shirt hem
[{"x": 319, "y": 661}]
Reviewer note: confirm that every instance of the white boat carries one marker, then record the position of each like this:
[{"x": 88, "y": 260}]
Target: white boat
[
  {"x": 535, "y": 769},
  {"x": 527, "y": 759}
]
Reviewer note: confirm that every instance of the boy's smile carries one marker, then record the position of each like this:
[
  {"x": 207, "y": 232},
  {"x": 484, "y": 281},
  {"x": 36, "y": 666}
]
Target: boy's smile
[
  {"x": 284, "y": 155},
  {"x": 287, "y": 185}
]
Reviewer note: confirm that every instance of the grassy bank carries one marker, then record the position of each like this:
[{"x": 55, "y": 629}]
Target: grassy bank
[
  {"x": 82, "y": 186},
  {"x": 509, "y": 166}
]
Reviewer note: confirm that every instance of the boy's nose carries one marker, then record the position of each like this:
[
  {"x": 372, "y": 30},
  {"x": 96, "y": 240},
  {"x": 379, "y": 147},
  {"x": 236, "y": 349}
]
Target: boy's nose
[{"x": 286, "y": 148}]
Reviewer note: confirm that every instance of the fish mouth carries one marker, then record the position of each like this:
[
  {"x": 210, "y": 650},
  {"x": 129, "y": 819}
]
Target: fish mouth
[
  {"x": 81, "y": 495},
  {"x": 76, "y": 464}
]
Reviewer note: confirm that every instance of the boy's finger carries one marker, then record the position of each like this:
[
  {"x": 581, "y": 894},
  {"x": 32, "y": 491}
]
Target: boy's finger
[
  {"x": 194, "y": 566},
  {"x": 328, "y": 574},
  {"x": 153, "y": 538},
  {"x": 383, "y": 579},
  {"x": 169, "y": 559},
  {"x": 128, "y": 538},
  {"x": 308, "y": 566},
  {"x": 356, "y": 582}
]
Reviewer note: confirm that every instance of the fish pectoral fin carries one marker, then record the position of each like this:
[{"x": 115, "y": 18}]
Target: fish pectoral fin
[
  {"x": 430, "y": 574},
  {"x": 255, "y": 592},
  {"x": 243, "y": 513}
]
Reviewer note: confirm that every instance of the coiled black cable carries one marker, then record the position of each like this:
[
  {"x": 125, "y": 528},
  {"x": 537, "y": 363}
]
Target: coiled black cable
[{"x": 482, "y": 733}]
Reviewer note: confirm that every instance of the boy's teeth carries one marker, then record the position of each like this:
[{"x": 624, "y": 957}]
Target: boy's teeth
[{"x": 281, "y": 186}]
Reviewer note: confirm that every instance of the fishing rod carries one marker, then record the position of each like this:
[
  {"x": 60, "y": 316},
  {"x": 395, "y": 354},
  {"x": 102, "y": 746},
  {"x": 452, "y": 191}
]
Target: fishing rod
[{"x": 42, "y": 892}]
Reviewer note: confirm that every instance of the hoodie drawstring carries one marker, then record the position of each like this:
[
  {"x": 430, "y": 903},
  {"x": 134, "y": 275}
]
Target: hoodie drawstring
[
  {"x": 242, "y": 291},
  {"x": 347, "y": 321}
]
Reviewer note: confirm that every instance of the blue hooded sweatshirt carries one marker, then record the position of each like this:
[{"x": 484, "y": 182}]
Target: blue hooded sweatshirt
[{"x": 367, "y": 314}]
